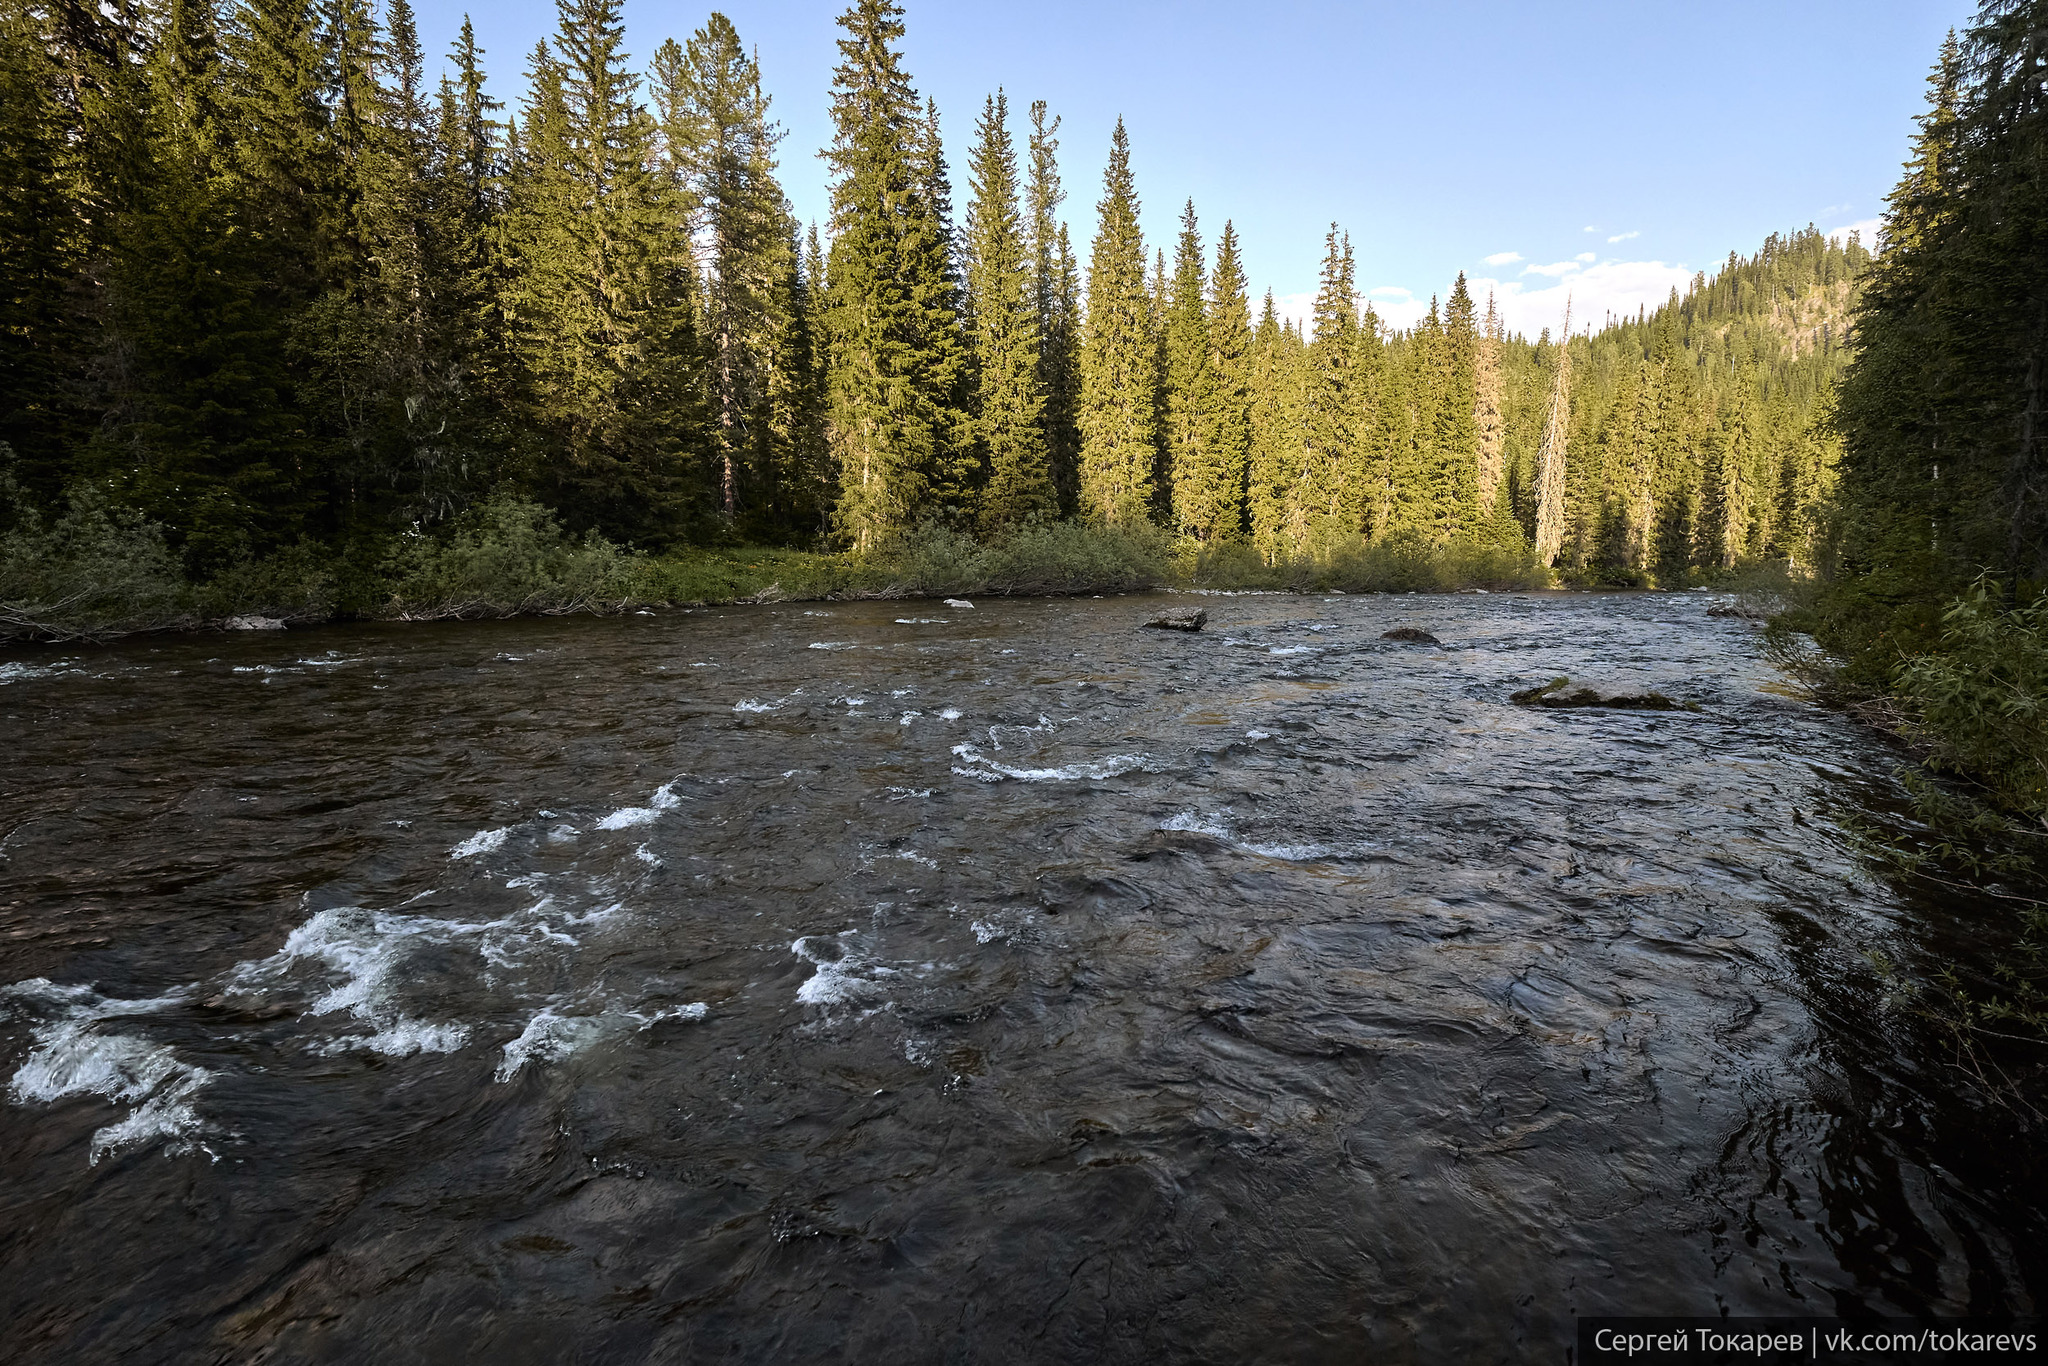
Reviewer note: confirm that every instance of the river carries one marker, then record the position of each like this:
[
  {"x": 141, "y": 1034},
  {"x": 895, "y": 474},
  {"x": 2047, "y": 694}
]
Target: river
[{"x": 895, "y": 981}]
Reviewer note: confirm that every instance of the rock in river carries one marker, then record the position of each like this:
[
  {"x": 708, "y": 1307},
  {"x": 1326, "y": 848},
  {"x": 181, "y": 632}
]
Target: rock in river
[
  {"x": 1552, "y": 694},
  {"x": 1410, "y": 633},
  {"x": 1186, "y": 619}
]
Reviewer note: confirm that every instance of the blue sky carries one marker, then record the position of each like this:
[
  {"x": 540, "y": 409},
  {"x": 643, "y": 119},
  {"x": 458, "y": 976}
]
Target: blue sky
[{"x": 1606, "y": 149}]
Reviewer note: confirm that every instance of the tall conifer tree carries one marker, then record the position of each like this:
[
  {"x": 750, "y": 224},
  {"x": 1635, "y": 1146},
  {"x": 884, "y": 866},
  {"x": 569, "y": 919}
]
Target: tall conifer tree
[
  {"x": 897, "y": 363},
  {"x": 1118, "y": 416},
  {"x": 1056, "y": 297},
  {"x": 1209, "y": 495},
  {"x": 1330, "y": 426},
  {"x": 721, "y": 150},
  {"x": 1002, "y": 310},
  {"x": 1189, "y": 385}
]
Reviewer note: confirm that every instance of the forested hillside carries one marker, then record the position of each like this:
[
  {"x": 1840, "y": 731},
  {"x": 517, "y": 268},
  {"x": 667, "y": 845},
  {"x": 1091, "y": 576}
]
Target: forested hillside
[{"x": 266, "y": 285}]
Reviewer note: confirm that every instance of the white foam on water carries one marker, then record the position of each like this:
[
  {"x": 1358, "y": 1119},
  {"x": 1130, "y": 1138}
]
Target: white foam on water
[
  {"x": 831, "y": 645},
  {"x": 904, "y": 793},
  {"x": 1291, "y": 650},
  {"x": 820, "y": 614},
  {"x": 482, "y": 842},
  {"x": 16, "y": 673},
  {"x": 912, "y": 856},
  {"x": 922, "y": 621},
  {"x": 988, "y": 933},
  {"x": 950, "y": 714},
  {"x": 1217, "y": 827},
  {"x": 1045, "y": 726},
  {"x": 958, "y": 602},
  {"x": 1194, "y": 823},
  {"x": 664, "y": 799},
  {"x": 70, "y": 1056},
  {"x": 839, "y": 978},
  {"x": 651, "y": 859},
  {"x": 368, "y": 951},
  {"x": 403, "y": 1038},
  {"x": 550, "y": 1037},
  {"x": 1257, "y": 735},
  {"x": 751, "y": 705},
  {"x": 852, "y": 701},
  {"x": 1113, "y": 766},
  {"x": 908, "y": 717}
]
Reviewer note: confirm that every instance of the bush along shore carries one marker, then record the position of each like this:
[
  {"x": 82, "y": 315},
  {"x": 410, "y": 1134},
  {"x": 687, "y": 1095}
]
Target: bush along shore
[{"x": 99, "y": 571}]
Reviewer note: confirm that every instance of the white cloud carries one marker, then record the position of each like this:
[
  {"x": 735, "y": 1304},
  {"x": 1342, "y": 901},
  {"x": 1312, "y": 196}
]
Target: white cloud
[
  {"x": 1589, "y": 228},
  {"x": 1611, "y": 287},
  {"x": 1553, "y": 270},
  {"x": 1623, "y": 236},
  {"x": 1585, "y": 256},
  {"x": 1500, "y": 258},
  {"x": 1869, "y": 227}
]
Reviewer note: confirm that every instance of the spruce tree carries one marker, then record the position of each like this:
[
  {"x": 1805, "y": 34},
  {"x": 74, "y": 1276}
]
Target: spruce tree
[
  {"x": 897, "y": 363},
  {"x": 1189, "y": 379},
  {"x": 1118, "y": 359},
  {"x": 1457, "y": 435},
  {"x": 1274, "y": 449},
  {"x": 600, "y": 297},
  {"x": 42, "y": 244},
  {"x": 1003, "y": 314},
  {"x": 1328, "y": 447},
  {"x": 1209, "y": 493},
  {"x": 1055, "y": 296},
  {"x": 720, "y": 148},
  {"x": 1362, "y": 509}
]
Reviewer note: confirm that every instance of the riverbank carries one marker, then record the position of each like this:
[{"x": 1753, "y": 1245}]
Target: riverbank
[{"x": 99, "y": 573}]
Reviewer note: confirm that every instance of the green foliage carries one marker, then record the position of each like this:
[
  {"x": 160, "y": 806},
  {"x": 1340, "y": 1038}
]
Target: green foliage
[
  {"x": 1339, "y": 559},
  {"x": 96, "y": 570},
  {"x": 508, "y": 557},
  {"x": 1978, "y": 701},
  {"x": 720, "y": 148},
  {"x": 1119, "y": 361},
  {"x": 1003, "y": 324},
  {"x": 898, "y": 359}
]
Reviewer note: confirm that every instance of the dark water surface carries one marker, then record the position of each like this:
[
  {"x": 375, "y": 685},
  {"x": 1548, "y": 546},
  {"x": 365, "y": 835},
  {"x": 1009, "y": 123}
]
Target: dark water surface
[{"x": 886, "y": 982}]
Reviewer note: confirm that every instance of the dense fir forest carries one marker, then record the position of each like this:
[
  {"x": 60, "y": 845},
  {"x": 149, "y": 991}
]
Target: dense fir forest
[{"x": 269, "y": 290}]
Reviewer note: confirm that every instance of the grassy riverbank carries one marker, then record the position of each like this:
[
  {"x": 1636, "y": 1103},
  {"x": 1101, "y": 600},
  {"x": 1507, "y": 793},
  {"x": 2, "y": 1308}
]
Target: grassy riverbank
[{"x": 100, "y": 571}]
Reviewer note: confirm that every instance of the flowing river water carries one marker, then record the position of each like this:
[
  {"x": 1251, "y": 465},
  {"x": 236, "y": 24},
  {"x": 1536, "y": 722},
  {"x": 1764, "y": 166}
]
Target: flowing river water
[{"x": 885, "y": 981}]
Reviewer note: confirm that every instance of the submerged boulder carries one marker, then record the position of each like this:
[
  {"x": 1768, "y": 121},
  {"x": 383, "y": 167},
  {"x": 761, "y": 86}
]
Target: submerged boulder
[
  {"x": 253, "y": 623},
  {"x": 1413, "y": 634},
  {"x": 1553, "y": 694},
  {"x": 1181, "y": 619}
]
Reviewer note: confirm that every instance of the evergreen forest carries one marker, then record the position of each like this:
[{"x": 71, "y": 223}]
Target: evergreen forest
[{"x": 274, "y": 296}]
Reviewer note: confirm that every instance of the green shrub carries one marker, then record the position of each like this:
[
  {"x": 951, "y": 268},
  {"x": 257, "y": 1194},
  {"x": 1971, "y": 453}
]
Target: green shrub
[
  {"x": 1979, "y": 701},
  {"x": 507, "y": 557},
  {"x": 769, "y": 574},
  {"x": 97, "y": 570},
  {"x": 297, "y": 584}
]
